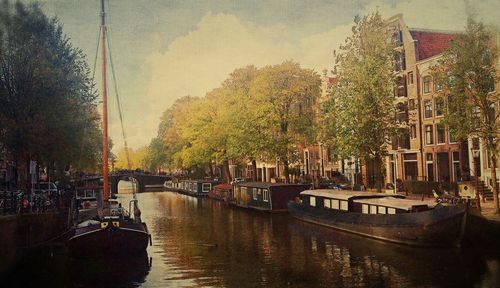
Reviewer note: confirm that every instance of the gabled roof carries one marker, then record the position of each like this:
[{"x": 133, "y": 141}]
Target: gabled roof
[{"x": 430, "y": 43}]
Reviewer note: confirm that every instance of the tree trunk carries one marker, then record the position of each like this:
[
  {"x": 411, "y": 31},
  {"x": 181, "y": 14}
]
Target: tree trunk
[
  {"x": 254, "y": 170},
  {"x": 286, "y": 171},
  {"x": 227, "y": 173},
  {"x": 211, "y": 169},
  {"x": 494, "y": 179},
  {"x": 379, "y": 173}
]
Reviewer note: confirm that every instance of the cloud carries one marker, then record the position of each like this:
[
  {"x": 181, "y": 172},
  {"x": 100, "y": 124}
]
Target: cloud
[{"x": 198, "y": 61}]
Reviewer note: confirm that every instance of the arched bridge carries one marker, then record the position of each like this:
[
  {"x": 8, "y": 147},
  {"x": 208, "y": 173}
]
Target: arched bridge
[{"x": 143, "y": 180}]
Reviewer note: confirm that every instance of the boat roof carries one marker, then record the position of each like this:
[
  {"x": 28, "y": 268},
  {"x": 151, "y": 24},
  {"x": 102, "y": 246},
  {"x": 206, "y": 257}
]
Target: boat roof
[
  {"x": 223, "y": 186},
  {"x": 346, "y": 194},
  {"x": 267, "y": 185},
  {"x": 404, "y": 204}
]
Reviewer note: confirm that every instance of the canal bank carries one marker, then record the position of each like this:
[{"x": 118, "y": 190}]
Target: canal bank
[{"x": 22, "y": 233}]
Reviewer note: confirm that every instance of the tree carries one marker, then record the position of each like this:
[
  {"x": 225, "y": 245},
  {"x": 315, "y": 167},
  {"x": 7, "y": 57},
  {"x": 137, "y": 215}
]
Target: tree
[
  {"x": 361, "y": 113},
  {"x": 283, "y": 96},
  {"x": 48, "y": 110},
  {"x": 467, "y": 72}
]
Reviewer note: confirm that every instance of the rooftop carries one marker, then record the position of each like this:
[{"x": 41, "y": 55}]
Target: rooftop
[{"x": 430, "y": 43}]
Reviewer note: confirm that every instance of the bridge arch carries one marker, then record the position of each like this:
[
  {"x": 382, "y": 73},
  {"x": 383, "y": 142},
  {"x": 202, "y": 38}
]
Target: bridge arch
[{"x": 115, "y": 179}]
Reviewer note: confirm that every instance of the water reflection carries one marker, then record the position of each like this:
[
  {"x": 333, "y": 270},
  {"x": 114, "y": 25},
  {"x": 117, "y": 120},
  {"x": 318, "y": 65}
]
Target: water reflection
[
  {"x": 50, "y": 267},
  {"x": 210, "y": 244},
  {"x": 205, "y": 243}
]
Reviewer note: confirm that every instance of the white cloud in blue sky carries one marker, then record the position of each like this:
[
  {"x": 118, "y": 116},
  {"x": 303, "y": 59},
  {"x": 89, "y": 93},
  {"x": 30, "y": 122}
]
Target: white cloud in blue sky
[{"x": 164, "y": 50}]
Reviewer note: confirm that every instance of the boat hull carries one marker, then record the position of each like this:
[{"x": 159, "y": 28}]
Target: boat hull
[
  {"x": 103, "y": 238},
  {"x": 438, "y": 227}
]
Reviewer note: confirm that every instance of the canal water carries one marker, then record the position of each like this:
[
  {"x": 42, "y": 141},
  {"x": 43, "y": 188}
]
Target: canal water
[{"x": 205, "y": 243}]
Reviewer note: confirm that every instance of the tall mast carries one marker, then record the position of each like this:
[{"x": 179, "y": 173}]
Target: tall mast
[{"x": 104, "y": 107}]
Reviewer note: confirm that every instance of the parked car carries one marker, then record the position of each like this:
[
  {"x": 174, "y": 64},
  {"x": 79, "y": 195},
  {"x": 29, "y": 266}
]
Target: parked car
[
  {"x": 43, "y": 187},
  {"x": 237, "y": 180}
]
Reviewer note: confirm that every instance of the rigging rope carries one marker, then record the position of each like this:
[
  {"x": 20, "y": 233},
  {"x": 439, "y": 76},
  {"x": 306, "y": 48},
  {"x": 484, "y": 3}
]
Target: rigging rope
[
  {"x": 120, "y": 113},
  {"x": 96, "y": 53}
]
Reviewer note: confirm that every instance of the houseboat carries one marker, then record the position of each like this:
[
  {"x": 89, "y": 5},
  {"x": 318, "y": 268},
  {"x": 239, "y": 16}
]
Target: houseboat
[
  {"x": 386, "y": 217},
  {"x": 265, "y": 196},
  {"x": 221, "y": 192},
  {"x": 199, "y": 188}
]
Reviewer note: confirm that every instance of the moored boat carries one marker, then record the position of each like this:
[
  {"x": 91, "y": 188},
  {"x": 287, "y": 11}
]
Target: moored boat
[
  {"x": 114, "y": 230},
  {"x": 197, "y": 188},
  {"x": 221, "y": 192},
  {"x": 386, "y": 217},
  {"x": 265, "y": 196}
]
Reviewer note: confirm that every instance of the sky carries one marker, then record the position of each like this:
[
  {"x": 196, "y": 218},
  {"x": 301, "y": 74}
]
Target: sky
[{"x": 163, "y": 50}]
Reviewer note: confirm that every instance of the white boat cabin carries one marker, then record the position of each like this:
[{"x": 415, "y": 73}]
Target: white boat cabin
[{"x": 361, "y": 202}]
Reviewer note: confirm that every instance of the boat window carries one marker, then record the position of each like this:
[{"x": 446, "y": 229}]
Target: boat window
[
  {"x": 312, "y": 201},
  {"x": 343, "y": 205},
  {"x": 327, "y": 203},
  {"x": 382, "y": 210},
  {"x": 391, "y": 211},
  {"x": 335, "y": 204},
  {"x": 365, "y": 208},
  {"x": 266, "y": 195},
  {"x": 373, "y": 209},
  {"x": 259, "y": 191},
  {"x": 207, "y": 187},
  {"x": 254, "y": 193}
]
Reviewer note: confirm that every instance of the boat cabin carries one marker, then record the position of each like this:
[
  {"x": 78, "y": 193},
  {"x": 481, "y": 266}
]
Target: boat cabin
[
  {"x": 196, "y": 187},
  {"x": 265, "y": 196},
  {"x": 361, "y": 202},
  {"x": 221, "y": 192}
]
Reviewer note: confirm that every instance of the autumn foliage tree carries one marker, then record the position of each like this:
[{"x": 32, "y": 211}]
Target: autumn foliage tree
[
  {"x": 361, "y": 111},
  {"x": 468, "y": 73},
  {"x": 255, "y": 114}
]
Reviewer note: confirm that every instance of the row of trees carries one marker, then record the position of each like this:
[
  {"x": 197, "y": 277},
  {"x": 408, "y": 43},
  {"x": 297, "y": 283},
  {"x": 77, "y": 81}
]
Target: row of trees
[
  {"x": 267, "y": 113},
  {"x": 256, "y": 113},
  {"x": 48, "y": 104}
]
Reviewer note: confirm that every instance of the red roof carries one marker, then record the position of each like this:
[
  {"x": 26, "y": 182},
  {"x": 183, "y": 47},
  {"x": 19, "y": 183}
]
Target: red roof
[
  {"x": 332, "y": 80},
  {"x": 430, "y": 43}
]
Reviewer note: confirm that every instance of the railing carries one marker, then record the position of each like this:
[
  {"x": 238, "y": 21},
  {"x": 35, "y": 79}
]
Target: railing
[{"x": 17, "y": 202}]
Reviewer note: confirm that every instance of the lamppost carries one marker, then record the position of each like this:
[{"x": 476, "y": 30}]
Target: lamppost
[
  {"x": 475, "y": 155},
  {"x": 395, "y": 172}
]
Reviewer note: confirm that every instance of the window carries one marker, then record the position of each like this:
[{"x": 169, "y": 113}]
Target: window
[
  {"x": 365, "y": 208},
  {"x": 335, "y": 204},
  {"x": 452, "y": 137},
  {"x": 428, "y": 157},
  {"x": 413, "y": 131},
  {"x": 254, "y": 193},
  {"x": 391, "y": 211},
  {"x": 343, "y": 205},
  {"x": 382, "y": 210},
  {"x": 411, "y": 104},
  {"x": 429, "y": 135},
  {"x": 441, "y": 138},
  {"x": 265, "y": 195},
  {"x": 373, "y": 209},
  {"x": 312, "y": 201},
  {"x": 427, "y": 109},
  {"x": 410, "y": 78},
  {"x": 427, "y": 84},
  {"x": 207, "y": 187},
  {"x": 439, "y": 106},
  {"x": 327, "y": 203},
  {"x": 476, "y": 114}
]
